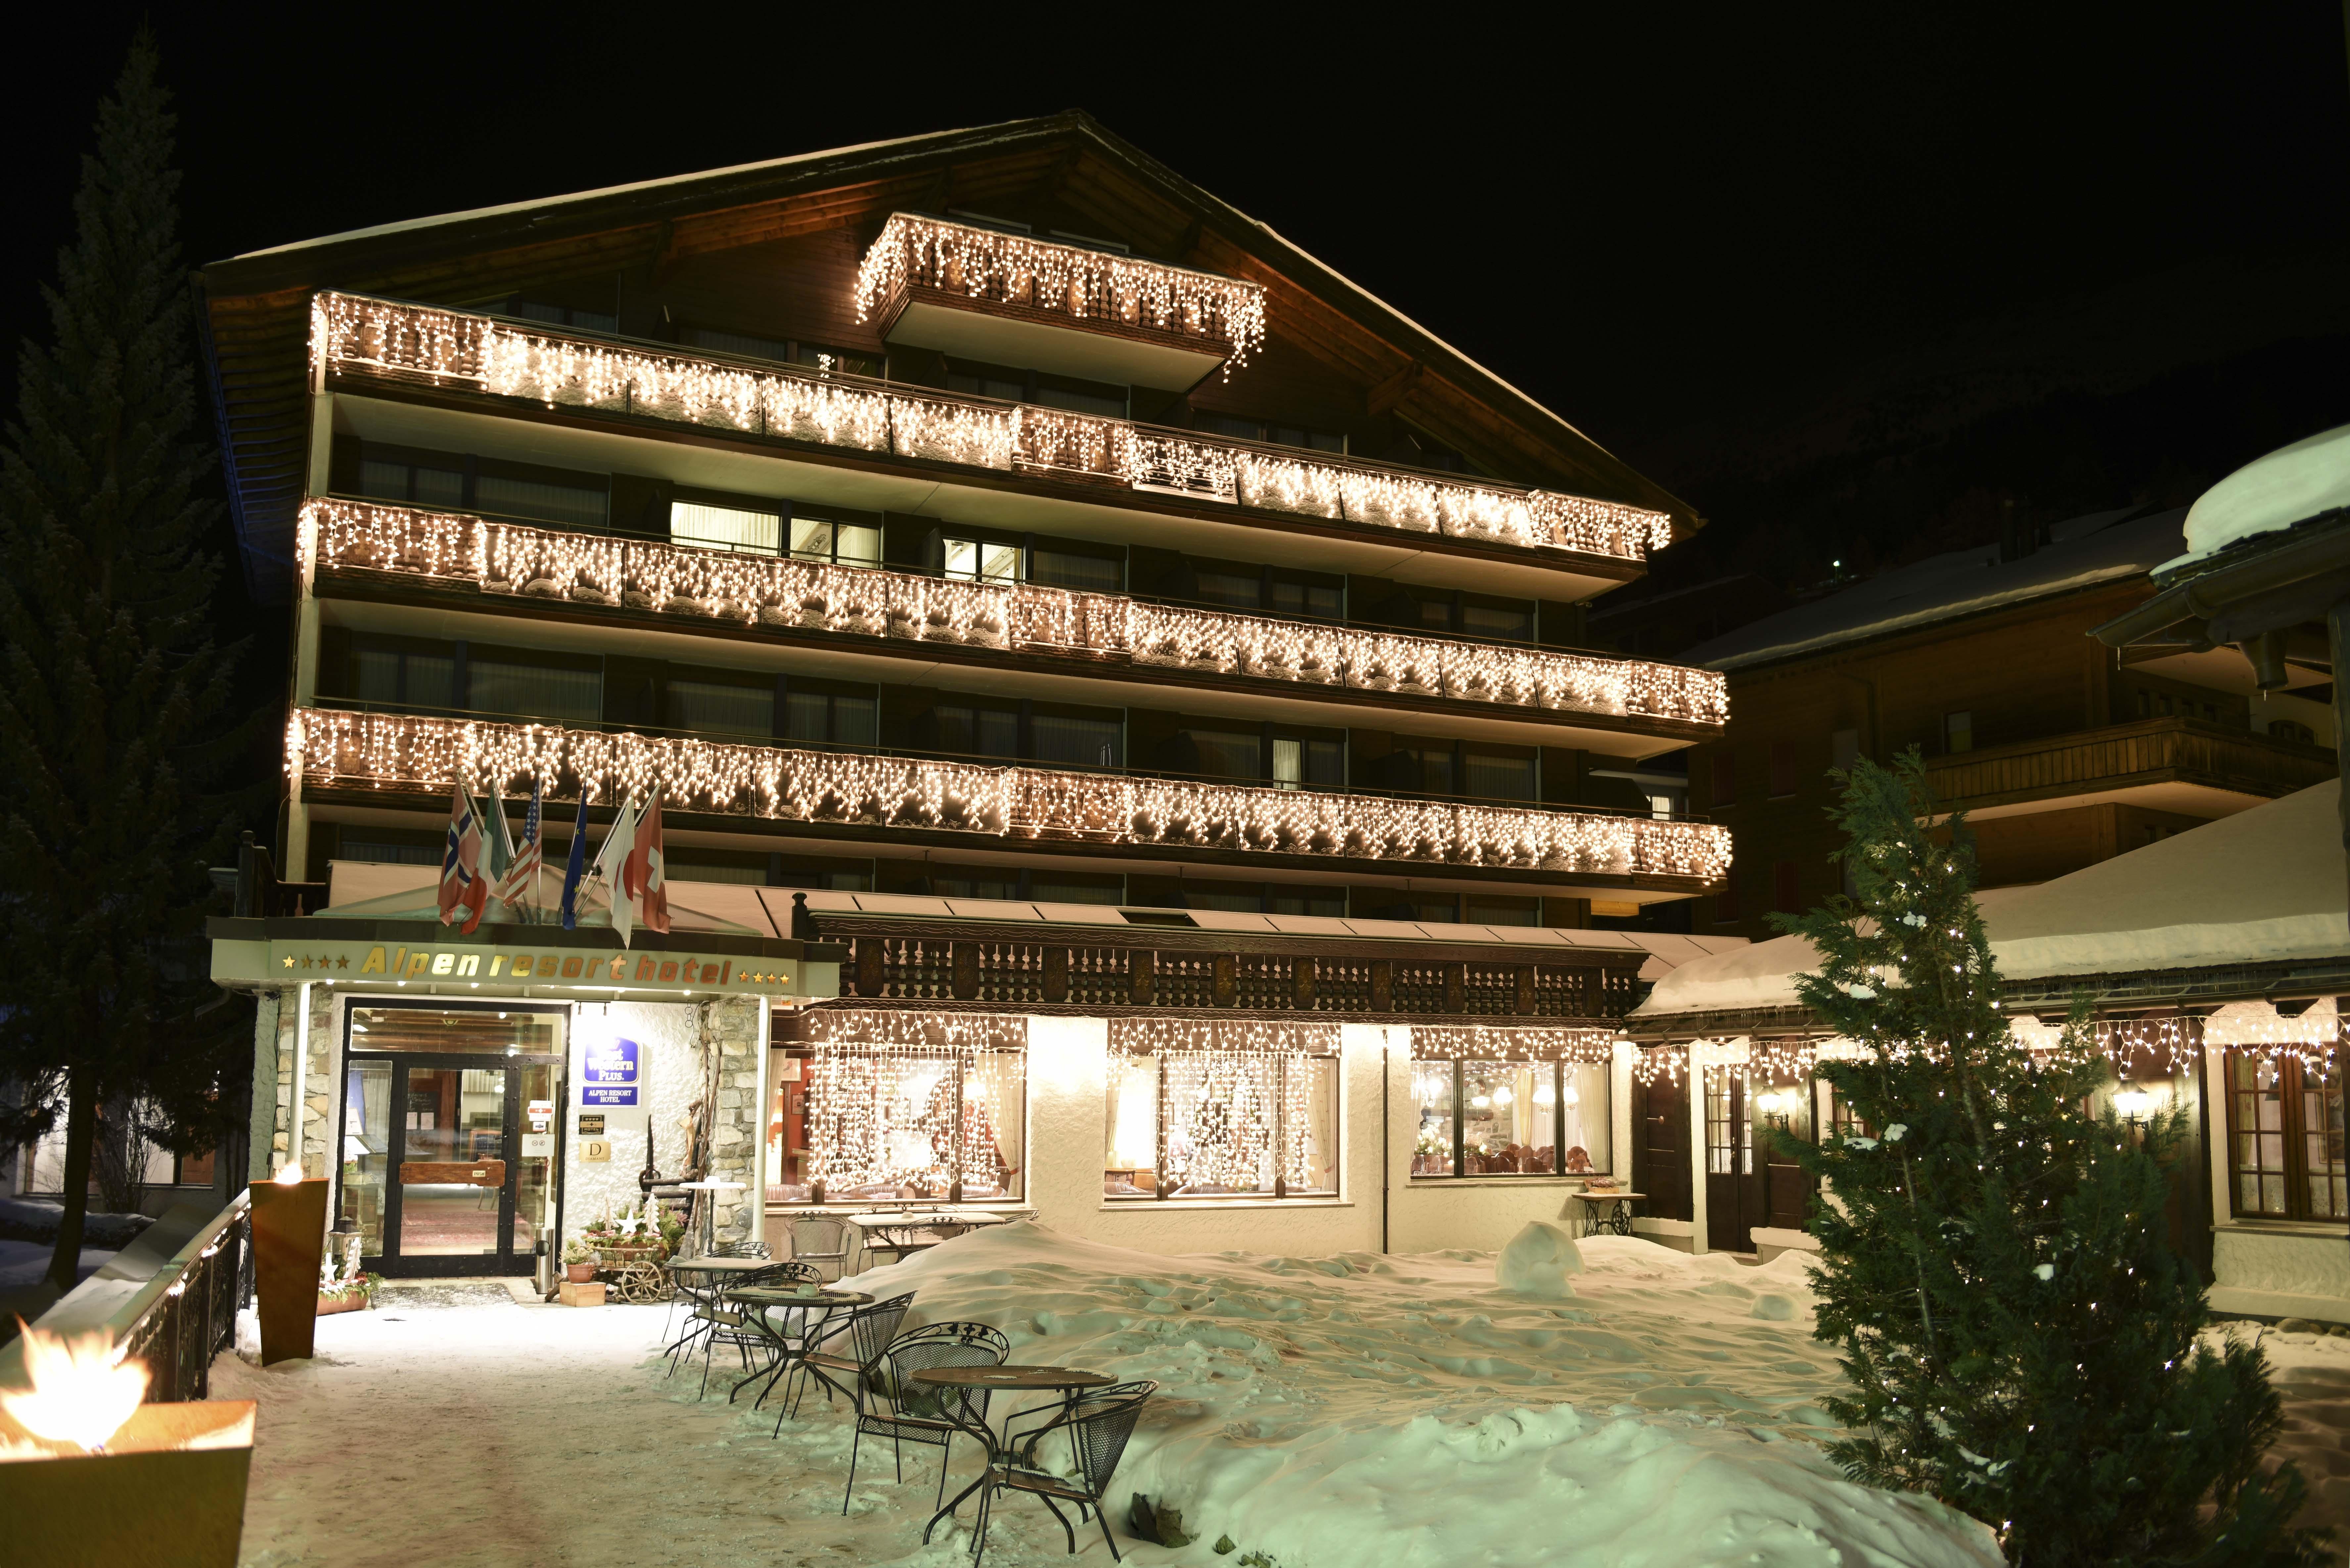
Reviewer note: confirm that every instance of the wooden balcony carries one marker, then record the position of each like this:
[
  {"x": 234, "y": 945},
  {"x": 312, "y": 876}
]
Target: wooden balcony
[
  {"x": 1012, "y": 299},
  {"x": 359, "y": 341},
  {"x": 2165, "y": 765},
  {"x": 411, "y": 761},
  {"x": 639, "y": 580}
]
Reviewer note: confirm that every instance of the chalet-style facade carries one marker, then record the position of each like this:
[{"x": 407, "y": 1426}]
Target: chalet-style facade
[
  {"x": 1113, "y": 687},
  {"x": 2062, "y": 752}
]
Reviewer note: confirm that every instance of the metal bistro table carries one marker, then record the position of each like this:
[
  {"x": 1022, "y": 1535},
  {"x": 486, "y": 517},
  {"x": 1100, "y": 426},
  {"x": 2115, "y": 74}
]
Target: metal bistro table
[
  {"x": 788, "y": 1343},
  {"x": 714, "y": 1273},
  {"x": 901, "y": 1234},
  {"x": 967, "y": 1381},
  {"x": 1608, "y": 1213}
]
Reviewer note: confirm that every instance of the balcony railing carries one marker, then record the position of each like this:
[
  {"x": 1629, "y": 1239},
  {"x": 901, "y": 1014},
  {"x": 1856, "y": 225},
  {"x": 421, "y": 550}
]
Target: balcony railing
[
  {"x": 429, "y": 756},
  {"x": 2147, "y": 752},
  {"x": 765, "y": 590},
  {"x": 1082, "y": 283},
  {"x": 415, "y": 344}
]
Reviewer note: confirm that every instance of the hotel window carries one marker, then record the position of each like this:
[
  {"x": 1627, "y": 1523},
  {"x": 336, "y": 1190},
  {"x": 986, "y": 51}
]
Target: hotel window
[
  {"x": 969, "y": 730},
  {"x": 720, "y": 707},
  {"x": 1220, "y": 1123},
  {"x": 435, "y": 484},
  {"x": 838, "y": 718},
  {"x": 1074, "y": 740},
  {"x": 823, "y": 358},
  {"x": 1958, "y": 731},
  {"x": 733, "y": 528},
  {"x": 2285, "y": 1137},
  {"x": 1500, "y": 910},
  {"x": 828, "y": 360},
  {"x": 1495, "y": 775},
  {"x": 557, "y": 315},
  {"x": 982, "y": 561},
  {"x": 1783, "y": 768},
  {"x": 836, "y": 543},
  {"x": 1511, "y": 1118},
  {"x": 395, "y": 674},
  {"x": 892, "y": 1122},
  {"x": 1070, "y": 569},
  {"x": 519, "y": 685},
  {"x": 541, "y": 500},
  {"x": 1270, "y": 432},
  {"x": 1725, "y": 777}
]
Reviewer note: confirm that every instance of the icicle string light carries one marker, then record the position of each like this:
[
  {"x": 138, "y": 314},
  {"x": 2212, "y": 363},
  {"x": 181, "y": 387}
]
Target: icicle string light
[
  {"x": 1505, "y": 1042},
  {"x": 768, "y": 591},
  {"x": 415, "y": 754},
  {"x": 1279, "y": 1037},
  {"x": 1670, "y": 1062},
  {"x": 352, "y": 335},
  {"x": 1234, "y": 1096},
  {"x": 912, "y": 1027},
  {"x": 1075, "y": 281}
]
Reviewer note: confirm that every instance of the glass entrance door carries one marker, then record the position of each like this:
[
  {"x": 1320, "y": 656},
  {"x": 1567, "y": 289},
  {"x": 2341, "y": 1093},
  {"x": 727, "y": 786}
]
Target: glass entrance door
[{"x": 449, "y": 1140}]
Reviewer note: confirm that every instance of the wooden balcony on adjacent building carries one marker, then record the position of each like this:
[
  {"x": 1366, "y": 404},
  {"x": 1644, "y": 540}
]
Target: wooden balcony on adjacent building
[{"x": 2182, "y": 767}]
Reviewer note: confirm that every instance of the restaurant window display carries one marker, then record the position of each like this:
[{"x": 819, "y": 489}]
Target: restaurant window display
[
  {"x": 1209, "y": 1109},
  {"x": 1494, "y": 1101},
  {"x": 862, "y": 1120}
]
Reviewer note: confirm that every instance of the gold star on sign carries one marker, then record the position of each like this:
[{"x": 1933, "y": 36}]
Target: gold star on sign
[
  {"x": 305, "y": 961},
  {"x": 288, "y": 961},
  {"x": 322, "y": 961},
  {"x": 344, "y": 961}
]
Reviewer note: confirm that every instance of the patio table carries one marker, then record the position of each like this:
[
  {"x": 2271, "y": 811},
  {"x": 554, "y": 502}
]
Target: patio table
[
  {"x": 899, "y": 1233},
  {"x": 788, "y": 1343},
  {"x": 966, "y": 1381},
  {"x": 1608, "y": 1212}
]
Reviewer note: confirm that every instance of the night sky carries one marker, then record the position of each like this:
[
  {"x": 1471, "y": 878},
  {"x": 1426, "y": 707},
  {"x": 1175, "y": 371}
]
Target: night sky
[{"x": 1847, "y": 284}]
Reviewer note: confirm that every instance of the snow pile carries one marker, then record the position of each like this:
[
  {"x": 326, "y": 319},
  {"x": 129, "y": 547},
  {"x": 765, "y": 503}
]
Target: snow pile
[
  {"x": 2290, "y": 485},
  {"x": 1408, "y": 1411},
  {"x": 1538, "y": 1259}
]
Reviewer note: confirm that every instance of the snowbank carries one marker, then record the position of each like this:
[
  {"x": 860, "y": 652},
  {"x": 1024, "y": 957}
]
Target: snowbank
[
  {"x": 1407, "y": 1411},
  {"x": 2290, "y": 485}
]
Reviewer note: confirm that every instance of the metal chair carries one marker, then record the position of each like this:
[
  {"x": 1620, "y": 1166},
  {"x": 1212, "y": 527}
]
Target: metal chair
[
  {"x": 855, "y": 1342},
  {"x": 725, "y": 1323},
  {"x": 1099, "y": 1424},
  {"x": 820, "y": 1239},
  {"x": 890, "y": 1403}
]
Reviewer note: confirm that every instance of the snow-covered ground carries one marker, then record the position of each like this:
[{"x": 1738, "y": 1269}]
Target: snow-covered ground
[{"x": 1397, "y": 1410}]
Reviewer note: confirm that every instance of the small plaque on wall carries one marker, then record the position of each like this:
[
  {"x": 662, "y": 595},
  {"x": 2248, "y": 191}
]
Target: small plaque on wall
[
  {"x": 591, "y": 1122},
  {"x": 595, "y": 1150}
]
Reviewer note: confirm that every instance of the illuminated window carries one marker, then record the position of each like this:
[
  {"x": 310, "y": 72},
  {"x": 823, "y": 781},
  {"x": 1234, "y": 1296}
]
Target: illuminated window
[
  {"x": 725, "y": 528},
  {"x": 914, "y": 1122},
  {"x": 837, "y": 544},
  {"x": 1221, "y": 1123},
  {"x": 977, "y": 561},
  {"x": 1511, "y": 1118},
  {"x": 2285, "y": 1137}
]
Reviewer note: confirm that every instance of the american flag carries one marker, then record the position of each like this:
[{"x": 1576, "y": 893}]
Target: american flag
[{"x": 521, "y": 878}]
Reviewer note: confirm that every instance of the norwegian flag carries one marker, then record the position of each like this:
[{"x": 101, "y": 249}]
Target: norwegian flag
[
  {"x": 520, "y": 880},
  {"x": 462, "y": 886},
  {"x": 644, "y": 876}
]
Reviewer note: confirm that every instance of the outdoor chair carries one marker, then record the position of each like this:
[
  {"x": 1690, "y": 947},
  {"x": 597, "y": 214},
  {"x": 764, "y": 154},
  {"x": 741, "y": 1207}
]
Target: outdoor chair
[
  {"x": 844, "y": 1350},
  {"x": 820, "y": 1241},
  {"x": 704, "y": 1295},
  {"x": 890, "y": 1403},
  {"x": 732, "y": 1326},
  {"x": 1098, "y": 1425}
]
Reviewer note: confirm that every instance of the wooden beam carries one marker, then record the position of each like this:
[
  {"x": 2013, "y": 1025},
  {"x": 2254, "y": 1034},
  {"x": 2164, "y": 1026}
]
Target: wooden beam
[{"x": 1394, "y": 390}]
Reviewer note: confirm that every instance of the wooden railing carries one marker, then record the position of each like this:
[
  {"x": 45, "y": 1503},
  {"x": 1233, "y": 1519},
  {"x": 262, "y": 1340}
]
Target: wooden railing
[
  {"x": 352, "y": 335},
  {"x": 766, "y": 590},
  {"x": 428, "y": 756},
  {"x": 2151, "y": 751}
]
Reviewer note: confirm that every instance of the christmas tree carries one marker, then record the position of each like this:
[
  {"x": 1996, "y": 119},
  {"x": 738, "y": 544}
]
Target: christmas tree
[
  {"x": 111, "y": 706},
  {"x": 2020, "y": 1338}
]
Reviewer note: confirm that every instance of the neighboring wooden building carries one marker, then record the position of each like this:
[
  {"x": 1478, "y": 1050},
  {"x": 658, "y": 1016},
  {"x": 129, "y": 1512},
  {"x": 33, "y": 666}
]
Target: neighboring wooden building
[
  {"x": 2062, "y": 753},
  {"x": 1103, "y": 609}
]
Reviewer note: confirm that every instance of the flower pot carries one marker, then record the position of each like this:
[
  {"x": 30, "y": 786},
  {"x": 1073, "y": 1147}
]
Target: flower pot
[
  {"x": 332, "y": 1302},
  {"x": 579, "y": 1273},
  {"x": 289, "y": 1237},
  {"x": 169, "y": 1488}
]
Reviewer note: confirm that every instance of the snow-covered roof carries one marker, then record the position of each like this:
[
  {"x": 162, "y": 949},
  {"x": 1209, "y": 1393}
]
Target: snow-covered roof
[
  {"x": 2264, "y": 885},
  {"x": 2102, "y": 547},
  {"x": 2290, "y": 485}
]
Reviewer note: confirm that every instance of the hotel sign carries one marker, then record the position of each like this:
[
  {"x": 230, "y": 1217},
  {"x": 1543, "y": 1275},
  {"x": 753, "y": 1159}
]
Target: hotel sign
[
  {"x": 610, "y": 1074},
  {"x": 470, "y": 967}
]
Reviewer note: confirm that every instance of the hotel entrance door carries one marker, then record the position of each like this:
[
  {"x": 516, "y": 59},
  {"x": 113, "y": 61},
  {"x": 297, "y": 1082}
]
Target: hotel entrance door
[{"x": 450, "y": 1132}]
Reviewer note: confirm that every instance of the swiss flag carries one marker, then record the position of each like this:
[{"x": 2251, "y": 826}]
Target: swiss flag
[{"x": 644, "y": 877}]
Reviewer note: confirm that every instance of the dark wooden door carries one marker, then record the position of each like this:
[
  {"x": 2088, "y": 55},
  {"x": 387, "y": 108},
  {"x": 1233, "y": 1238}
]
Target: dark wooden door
[
  {"x": 1729, "y": 1164},
  {"x": 1661, "y": 1147}
]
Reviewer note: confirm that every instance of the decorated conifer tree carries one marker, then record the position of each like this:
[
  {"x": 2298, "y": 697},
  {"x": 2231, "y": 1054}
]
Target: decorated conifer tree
[
  {"x": 111, "y": 691},
  {"x": 2020, "y": 1338}
]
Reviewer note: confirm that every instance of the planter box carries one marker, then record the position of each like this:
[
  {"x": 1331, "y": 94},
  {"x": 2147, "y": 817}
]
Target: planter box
[
  {"x": 170, "y": 1489},
  {"x": 289, "y": 1237},
  {"x": 349, "y": 1301},
  {"x": 590, "y": 1294}
]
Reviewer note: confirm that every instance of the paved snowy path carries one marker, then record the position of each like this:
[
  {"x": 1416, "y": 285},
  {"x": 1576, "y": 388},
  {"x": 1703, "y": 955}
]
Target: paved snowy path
[{"x": 1400, "y": 1411}]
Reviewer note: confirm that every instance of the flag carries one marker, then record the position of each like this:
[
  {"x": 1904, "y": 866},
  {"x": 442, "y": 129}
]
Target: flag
[
  {"x": 644, "y": 877},
  {"x": 463, "y": 885},
  {"x": 519, "y": 875},
  {"x": 612, "y": 861},
  {"x": 576, "y": 872}
]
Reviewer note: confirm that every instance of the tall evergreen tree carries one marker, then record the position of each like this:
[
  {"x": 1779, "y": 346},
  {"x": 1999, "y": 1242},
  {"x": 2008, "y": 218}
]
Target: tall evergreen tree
[
  {"x": 2020, "y": 1338},
  {"x": 112, "y": 704}
]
